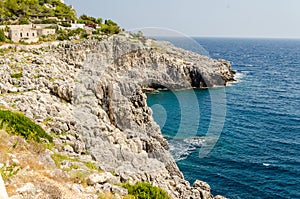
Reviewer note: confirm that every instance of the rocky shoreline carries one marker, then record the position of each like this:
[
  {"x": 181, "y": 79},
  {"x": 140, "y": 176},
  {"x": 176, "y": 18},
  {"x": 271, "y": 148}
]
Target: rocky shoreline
[{"x": 89, "y": 94}]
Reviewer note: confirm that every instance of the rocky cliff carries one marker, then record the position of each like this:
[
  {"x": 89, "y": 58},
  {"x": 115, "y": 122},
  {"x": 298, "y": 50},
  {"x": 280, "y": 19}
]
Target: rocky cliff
[{"x": 89, "y": 96}]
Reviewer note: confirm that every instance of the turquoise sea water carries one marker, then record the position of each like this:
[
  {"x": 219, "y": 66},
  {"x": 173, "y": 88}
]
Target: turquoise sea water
[{"x": 258, "y": 152}]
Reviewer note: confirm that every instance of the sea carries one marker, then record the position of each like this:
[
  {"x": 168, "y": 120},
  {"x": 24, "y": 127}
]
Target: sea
[{"x": 243, "y": 139}]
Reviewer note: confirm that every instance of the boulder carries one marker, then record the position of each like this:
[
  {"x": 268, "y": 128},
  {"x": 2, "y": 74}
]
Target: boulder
[
  {"x": 99, "y": 178},
  {"x": 119, "y": 190},
  {"x": 202, "y": 185}
]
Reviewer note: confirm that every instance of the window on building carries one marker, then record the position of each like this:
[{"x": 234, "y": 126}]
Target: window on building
[
  {"x": 21, "y": 34},
  {"x": 27, "y": 34},
  {"x": 33, "y": 34}
]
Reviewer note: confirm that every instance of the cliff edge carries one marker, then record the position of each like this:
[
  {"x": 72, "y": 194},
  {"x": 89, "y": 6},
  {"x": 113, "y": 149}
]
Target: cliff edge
[{"x": 89, "y": 96}]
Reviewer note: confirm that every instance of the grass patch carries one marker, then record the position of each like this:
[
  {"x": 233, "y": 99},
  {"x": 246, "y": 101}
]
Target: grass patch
[
  {"x": 79, "y": 177},
  {"x": 16, "y": 75},
  {"x": 47, "y": 120},
  {"x": 19, "y": 124},
  {"x": 92, "y": 166},
  {"x": 9, "y": 171},
  {"x": 58, "y": 158},
  {"x": 144, "y": 190}
]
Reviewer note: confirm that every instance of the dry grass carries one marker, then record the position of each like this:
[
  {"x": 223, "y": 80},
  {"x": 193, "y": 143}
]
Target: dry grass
[
  {"x": 107, "y": 195},
  {"x": 52, "y": 181}
]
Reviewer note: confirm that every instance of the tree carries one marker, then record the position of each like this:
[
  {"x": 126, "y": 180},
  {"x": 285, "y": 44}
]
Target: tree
[
  {"x": 99, "y": 21},
  {"x": 24, "y": 21},
  {"x": 110, "y": 27},
  {"x": 110, "y": 23},
  {"x": 12, "y": 7},
  {"x": 88, "y": 19}
]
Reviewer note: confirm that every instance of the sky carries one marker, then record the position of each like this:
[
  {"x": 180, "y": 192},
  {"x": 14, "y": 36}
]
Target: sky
[{"x": 206, "y": 18}]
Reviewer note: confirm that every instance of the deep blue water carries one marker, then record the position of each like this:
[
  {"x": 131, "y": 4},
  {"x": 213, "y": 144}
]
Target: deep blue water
[{"x": 258, "y": 152}]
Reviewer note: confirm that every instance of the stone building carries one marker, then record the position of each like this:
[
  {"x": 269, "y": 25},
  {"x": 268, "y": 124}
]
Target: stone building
[
  {"x": 22, "y": 32},
  {"x": 28, "y": 33}
]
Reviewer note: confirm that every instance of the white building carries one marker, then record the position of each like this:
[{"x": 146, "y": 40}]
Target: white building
[{"x": 77, "y": 25}]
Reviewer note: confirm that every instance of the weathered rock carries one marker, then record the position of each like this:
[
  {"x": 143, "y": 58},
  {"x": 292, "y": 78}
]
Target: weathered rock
[
  {"x": 91, "y": 94},
  {"x": 119, "y": 190},
  {"x": 3, "y": 193},
  {"x": 63, "y": 91},
  {"x": 99, "y": 178},
  {"x": 79, "y": 147},
  {"x": 69, "y": 149},
  {"x": 29, "y": 190},
  {"x": 202, "y": 185},
  {"x": 203, "y": 188}
]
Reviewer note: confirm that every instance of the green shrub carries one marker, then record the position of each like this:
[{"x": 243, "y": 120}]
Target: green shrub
[
  {"x": 47, "y": 21},
  {"x": 85, "y": 19},
  {"x": 96, "y": 32},
  {"x": 66, "y": 24},
  {"x": 19, "y": 124},
  {"x": 2, "y": 35},
  {"x": 110, "y": 27},
  {"x": 8, "y": 171},
  {"x": 16, "y": 75},
  {"x": 76, "y": 32},
  {"x": 24, "y": 21},
  {"x": 63, "y": 37},
  {"x": 144, "y": 190},
  {"x": 92, "y": 166},
  {"x": 58, "y": 158},
  {"x": 84, "y": 36}
]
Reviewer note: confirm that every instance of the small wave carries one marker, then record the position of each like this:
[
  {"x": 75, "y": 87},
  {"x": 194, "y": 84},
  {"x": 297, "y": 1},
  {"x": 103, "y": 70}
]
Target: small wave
[
  {"x": 197, "y": 142},
  {"x": 182, "y": 148},
  {"x": 266, "y": 164},
  {"x": 238, "y": 78}
]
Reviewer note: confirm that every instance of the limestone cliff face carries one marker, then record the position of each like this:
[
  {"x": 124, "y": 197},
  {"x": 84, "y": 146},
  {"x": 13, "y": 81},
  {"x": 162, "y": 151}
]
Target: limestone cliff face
[{"x": 94, "y": 91}]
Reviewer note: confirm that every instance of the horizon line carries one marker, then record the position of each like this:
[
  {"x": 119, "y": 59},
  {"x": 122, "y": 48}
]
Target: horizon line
[{"x": 229, "y": 37}]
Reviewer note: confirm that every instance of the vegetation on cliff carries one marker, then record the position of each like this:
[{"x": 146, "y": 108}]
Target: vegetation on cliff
[
  {"x": 144, "y": 190},
  {"x": 18, "y": 124},
  {"x": 16, "y": 11},
  {"x": 57, "y": 15},
  {"x": 2, "y": 36}
]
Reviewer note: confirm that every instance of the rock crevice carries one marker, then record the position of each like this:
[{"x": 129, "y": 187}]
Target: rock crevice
[{"x": 94, "y": 89}]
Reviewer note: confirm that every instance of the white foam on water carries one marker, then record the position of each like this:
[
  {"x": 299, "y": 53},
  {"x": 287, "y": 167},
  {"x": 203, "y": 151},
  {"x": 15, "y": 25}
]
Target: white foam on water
[
  {"x": 238, "y": 77},
  {"x": 195, "y": 141},
  {"x": 266, "y": 164},
  {"x": 182, "y": 148}
]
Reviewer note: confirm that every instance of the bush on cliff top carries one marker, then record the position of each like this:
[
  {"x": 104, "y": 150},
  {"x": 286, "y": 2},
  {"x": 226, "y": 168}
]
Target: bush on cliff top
[
  {"x": 2, "y": 35},
  {"x": 144, "y": 190},
  {"x": 19, "y": 124}
]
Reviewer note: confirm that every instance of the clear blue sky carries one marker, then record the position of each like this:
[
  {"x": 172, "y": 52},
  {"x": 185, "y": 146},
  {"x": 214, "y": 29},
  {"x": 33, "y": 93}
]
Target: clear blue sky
[{"x": 214, "y": 18}]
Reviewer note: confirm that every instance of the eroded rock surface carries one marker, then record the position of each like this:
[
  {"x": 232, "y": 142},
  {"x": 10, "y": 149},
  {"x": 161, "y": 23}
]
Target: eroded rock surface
[{"x": 91, "y": 95}]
